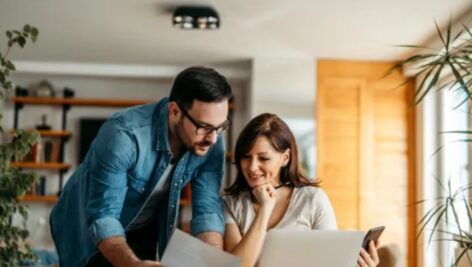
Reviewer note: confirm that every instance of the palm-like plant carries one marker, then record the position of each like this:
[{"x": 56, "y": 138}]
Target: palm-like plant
[{"x": 453, "y": 58}]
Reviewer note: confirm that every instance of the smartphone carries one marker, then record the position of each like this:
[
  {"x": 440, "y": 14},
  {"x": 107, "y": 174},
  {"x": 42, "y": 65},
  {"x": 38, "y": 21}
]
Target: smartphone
[{"x": 372, "y": 234}]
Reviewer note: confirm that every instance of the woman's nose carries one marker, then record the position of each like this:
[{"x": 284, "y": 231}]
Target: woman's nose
[{"x": 254, "y": 165}]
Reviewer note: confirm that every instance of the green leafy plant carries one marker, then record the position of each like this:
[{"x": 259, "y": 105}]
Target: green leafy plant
[
  {"x": 432, "y": 66},
  {"x": 13, "y": 182}
]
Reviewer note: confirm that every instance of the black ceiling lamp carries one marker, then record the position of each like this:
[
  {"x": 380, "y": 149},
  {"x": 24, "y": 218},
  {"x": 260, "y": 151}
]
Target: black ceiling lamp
[{"x": 196, "y": 17}]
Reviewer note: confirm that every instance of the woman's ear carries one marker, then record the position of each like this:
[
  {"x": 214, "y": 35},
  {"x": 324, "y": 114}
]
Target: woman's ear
[{"x": 286, "y": 157}]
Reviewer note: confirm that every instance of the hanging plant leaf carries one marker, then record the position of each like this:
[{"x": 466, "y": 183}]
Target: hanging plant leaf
[
  {"x": 27, "y": 28},
  {"x": 14, "y": 183},
  {"x": 10, "y": 65}
]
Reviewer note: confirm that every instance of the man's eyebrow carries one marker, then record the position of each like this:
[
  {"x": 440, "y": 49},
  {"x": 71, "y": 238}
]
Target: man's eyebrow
[{"x": 204, "y": 124}]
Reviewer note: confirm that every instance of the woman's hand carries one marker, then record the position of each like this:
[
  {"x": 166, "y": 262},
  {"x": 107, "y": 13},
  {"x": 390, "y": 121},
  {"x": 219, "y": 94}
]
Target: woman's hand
[
  {"x": 370, "y": 259},
  {"x": 266, "y": 196}
]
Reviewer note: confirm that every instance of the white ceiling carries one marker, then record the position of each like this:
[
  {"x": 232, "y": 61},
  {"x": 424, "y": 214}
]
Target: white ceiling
[{"x": 140, "y": 31}]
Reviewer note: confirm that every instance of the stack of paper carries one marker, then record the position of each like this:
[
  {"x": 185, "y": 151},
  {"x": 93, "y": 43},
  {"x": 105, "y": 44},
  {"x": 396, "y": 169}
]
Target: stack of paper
[{"x": 185, "y": 250}]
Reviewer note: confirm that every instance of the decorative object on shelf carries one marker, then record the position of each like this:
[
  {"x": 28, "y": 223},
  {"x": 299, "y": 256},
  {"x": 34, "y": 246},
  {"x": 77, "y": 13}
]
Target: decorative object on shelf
[
  {"x": 43, "y": 89},
  {"x": 43, "y": 125},
  {"x": 68, "y": 93},
  {"x": 13, "y": 182}
]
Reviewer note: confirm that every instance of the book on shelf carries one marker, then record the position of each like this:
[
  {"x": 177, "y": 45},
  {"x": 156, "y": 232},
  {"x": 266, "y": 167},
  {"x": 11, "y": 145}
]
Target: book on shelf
[
  {"x": 55, "y": 152},
  {"x": 32, "y": 190},
  {"x": 34, "y": 155},
  {"x": 38, "y": 188},
  {"x": 46, "y": 150},
  {"x": 41, "y": 186},
  {"x": 51, "y": 150}
]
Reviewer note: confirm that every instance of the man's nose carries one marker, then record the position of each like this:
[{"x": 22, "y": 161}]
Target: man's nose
[{"x": 212, "y": 137}]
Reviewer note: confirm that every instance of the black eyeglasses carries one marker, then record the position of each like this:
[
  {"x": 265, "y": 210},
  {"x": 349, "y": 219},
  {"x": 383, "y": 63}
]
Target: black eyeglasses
[{"x": 205, "y": 129}]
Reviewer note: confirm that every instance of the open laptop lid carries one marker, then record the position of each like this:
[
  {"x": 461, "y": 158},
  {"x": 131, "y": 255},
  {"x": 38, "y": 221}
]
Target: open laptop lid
[{"x": 319, "y": 248}]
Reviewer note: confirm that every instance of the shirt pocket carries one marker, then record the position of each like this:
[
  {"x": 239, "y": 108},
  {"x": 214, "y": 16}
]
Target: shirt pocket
[{"x": 136, "y": 190}]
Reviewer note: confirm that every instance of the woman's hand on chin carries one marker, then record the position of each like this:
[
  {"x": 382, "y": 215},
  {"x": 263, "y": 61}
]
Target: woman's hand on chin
[{"x": 266, "y": 196}]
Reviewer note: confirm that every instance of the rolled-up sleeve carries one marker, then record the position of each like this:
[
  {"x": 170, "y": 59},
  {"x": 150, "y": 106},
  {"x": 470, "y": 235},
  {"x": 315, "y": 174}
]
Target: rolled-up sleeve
[
  {"x": 207, "y": 211},
  {"x": 104, "y": 228},
  {"x": 113, "y": 154}
]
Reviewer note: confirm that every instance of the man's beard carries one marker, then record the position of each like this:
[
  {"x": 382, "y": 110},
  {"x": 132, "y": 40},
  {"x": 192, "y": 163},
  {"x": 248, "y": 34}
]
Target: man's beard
[{"x": 192, "y": 147}]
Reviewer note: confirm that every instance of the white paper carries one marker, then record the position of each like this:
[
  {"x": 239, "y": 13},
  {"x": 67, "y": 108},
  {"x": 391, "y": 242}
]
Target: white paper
[{"x": 185, "y": 250}]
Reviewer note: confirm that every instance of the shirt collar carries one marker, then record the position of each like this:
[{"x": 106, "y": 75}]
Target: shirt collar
[{"x": 162, "y": 124}]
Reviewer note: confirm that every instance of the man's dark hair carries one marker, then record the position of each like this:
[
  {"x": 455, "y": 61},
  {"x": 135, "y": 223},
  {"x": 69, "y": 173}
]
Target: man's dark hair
[{"x": 199, "y": 83}]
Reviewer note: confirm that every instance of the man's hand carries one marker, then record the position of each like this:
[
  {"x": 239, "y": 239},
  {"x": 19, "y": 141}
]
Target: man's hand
[
  {"x": 148, "y": 264},
  {"x": 212, "y": 238},
  {"x": 118, "y": 253}
]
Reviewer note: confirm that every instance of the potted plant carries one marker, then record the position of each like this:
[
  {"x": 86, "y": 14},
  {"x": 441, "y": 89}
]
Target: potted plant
[
  {"x": 454, "y": 58},
  {"x": 13, "y": 182}
]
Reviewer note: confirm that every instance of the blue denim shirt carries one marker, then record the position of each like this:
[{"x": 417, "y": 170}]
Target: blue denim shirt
[{"x": 125, "y": 161}]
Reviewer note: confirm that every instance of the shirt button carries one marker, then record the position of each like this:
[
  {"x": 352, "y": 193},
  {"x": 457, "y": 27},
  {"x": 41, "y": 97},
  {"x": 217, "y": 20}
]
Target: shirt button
[
  {"x": 176, "y": 184},
  {"x": 172, "y": 206}
]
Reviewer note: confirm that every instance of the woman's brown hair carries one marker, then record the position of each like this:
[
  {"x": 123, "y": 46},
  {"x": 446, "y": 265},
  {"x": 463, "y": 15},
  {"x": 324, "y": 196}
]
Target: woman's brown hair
[{"x": 281, "y": 138}]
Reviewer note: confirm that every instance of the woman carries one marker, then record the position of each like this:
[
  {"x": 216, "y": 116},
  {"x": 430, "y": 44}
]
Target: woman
[{"x": 271, "y": 192}]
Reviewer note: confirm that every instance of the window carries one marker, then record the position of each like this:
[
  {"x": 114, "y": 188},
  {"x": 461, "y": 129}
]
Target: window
[{"x": 445, "y": 158}]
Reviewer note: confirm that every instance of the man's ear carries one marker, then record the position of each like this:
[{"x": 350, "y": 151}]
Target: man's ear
[{"x": 174, "y": 111}]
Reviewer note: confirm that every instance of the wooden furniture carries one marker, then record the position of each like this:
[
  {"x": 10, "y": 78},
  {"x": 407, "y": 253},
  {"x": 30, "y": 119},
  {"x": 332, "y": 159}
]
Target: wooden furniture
[
  {"x": 365, "y": 149},
  {"x": 66, "y": 102}
]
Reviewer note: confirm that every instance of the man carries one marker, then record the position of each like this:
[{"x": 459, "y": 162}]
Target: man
[{"x": 123, "y": 199}]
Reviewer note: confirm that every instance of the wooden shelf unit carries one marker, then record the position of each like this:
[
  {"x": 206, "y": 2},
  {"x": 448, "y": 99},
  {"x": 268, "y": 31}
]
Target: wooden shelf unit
[
  {"x": 42, "y": 165},
  {"x": 97, "y": 102},
  {"x": 39, "y": 198},
  {"x": 50, "y": 133},
  {"x": 66, "y": 103},
  {"x": 55, "y": 133},
  {"x": 56, "y": 101}
]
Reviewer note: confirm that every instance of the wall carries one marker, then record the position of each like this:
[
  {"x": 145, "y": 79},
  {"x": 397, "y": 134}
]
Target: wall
[{"x": 286, "y": 87}]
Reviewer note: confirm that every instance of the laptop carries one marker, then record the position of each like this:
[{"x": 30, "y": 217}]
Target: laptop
[{"x": 321, "y": 248}]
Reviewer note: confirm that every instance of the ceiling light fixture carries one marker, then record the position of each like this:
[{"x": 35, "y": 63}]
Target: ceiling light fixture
[{"x": 196, "y": 17}]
